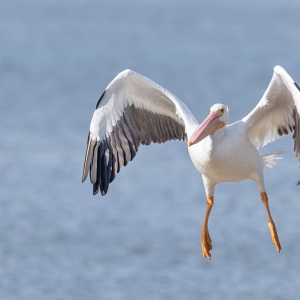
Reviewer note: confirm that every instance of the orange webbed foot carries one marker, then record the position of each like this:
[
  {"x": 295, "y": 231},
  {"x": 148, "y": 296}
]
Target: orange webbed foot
[
  {"x": 274, "y": 236},
  {"x": 206, "y": 243}
]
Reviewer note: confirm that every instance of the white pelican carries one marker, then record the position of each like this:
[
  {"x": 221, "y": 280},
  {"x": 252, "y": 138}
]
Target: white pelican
[{"x": 134, "y": 110}]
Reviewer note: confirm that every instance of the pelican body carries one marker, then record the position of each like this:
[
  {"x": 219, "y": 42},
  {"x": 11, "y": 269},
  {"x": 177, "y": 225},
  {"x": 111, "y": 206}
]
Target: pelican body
[
  {"x": 134, "y": 110},
  {"x": 226, "y": 151}
]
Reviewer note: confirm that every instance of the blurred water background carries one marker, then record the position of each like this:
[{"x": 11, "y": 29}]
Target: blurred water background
[{"x": 142, "y": 240}]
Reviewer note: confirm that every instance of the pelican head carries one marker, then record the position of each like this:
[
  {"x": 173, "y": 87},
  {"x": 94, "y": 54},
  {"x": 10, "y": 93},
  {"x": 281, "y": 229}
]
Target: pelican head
[{"x": 217, "y": 118}]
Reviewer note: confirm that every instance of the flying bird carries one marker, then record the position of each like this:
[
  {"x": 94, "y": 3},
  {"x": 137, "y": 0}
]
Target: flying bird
[{"x": 134, "y": 110}]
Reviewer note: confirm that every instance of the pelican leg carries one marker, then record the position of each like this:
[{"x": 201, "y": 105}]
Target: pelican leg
[
  {"x": 271, "y": 223},
  {"x": 205, "y": 237}
]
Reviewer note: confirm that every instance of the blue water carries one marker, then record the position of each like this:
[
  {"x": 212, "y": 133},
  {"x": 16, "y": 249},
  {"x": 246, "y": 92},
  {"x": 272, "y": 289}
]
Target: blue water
[{"x": 142, "y": 240}]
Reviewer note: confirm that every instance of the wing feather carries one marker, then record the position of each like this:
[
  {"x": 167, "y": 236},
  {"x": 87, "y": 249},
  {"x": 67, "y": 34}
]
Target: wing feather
[
  {"x": 296, "y": 135},
  {"x": 88, "y": 157},
  {"x": 132, "y": 110},
  {"x": 94, "y": 164},
  {"x": 277, "y": 113}
]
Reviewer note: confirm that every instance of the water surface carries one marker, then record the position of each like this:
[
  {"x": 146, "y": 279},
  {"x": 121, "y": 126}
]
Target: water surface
[{"x": 141, "y": 241}]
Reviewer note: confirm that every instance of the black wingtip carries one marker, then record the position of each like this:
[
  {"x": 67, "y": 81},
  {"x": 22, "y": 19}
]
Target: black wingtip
[
  {"x": 100, "y": 99},
  {"x": 95, "y": 189},
  {"x": 298, "y": 183},
  {"x": 297, "y": 86}
]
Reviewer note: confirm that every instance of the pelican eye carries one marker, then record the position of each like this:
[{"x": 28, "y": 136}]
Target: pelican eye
[{"x": 222, "y": 110}]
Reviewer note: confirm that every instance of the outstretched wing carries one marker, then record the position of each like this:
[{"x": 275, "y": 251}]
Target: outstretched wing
[
  {"x": 277, "y": 113},
  {"x": 133, "y": 110}
]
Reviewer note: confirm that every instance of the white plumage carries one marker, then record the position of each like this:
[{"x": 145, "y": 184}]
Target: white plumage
[{"x": 134, "y": 110}]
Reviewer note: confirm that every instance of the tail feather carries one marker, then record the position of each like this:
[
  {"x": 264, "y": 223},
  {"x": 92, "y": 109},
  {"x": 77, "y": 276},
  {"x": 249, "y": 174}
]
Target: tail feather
[{"x": 269, "y": 160}]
